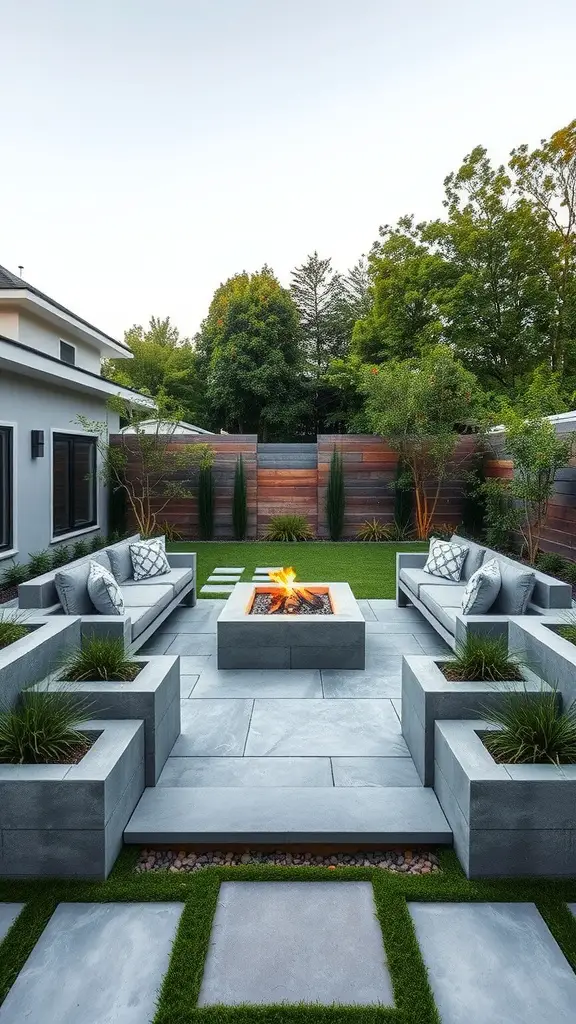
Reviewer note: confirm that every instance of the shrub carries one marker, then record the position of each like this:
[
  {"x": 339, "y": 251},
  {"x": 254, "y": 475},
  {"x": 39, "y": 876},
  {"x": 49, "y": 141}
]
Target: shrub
[
  {"x": 501, "y": 516},
  {"x": 41, "y": 729},
  {"x": 206, "y": 502},
  {"x": 483, "y": 659},
  {"x": 443, "y": 531},
  {"x": 403, "y": 500},
  {"x": 100, "y": 658},
  {"x": 534, "y": 730},
  {"x": 239, "y": 501},
  {"x": 400, "y": 531},
  {"x": 13, "y": 576},
  {"x": 169, "y": 531},
  {"x": 551, "y": 563},
  {"x": 335, "y": 497},
  {"x": 97, "y": 543},
  {"x": 12, "y": 628},
  {"x": 80, "y": 549},
  {"x": 288, "y": 527},
  {"x": 39, "y": 562},
  {"x": 373, "y": 530},
  {"x": 60, "y": 556}
]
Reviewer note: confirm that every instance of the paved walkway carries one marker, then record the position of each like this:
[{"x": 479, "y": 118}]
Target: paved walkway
[{"x": 298, "y": 728}]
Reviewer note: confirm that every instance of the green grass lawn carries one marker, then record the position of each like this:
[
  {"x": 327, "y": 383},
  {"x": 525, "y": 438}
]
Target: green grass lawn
[
  {"x": 414, "y": 1003},
  {"x": 370, "y": 569}
]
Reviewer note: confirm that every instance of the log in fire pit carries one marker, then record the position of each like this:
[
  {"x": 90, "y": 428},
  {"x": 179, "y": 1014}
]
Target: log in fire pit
[{"x": 285, "y": 624}]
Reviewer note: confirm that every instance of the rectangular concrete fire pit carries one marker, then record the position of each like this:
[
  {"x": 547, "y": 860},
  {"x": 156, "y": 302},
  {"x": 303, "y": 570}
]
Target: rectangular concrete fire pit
[{"x": 333, "y": 640}]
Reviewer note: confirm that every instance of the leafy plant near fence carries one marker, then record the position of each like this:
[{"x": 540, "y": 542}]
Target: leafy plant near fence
[
  {"x": 288, "y": 528},
  {"x": 206, "y": 502},
  {"x": 335, "y": 496},
  {"x": 373, "y": 530},
  {"x": 239, "y": 501}
]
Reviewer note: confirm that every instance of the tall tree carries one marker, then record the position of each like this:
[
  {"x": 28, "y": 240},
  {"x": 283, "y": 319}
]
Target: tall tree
[
  {"x": 318, "y": 292},
  {"x": 249, "y": 347}
]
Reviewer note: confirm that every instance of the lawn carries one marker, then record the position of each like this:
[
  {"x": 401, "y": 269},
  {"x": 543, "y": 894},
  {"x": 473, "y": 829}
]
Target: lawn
[
  {"x": 370, "y": 569},
  {"x": 414, "y": 1003}
]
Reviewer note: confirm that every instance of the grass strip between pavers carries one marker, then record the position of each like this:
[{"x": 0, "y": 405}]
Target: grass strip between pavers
[{"x": 414, "y": 1003}]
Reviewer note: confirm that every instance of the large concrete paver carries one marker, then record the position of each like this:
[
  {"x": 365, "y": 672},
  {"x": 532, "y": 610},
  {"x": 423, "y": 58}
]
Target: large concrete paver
[
  {"x": 494, "y": 962},
  {"x": 386, "y": 681},
  {"x": 260, "y": 682},
  {"x": 95, "y": 963},
  {"x": 213, "y": 728},
  {"x": 304, "y": 942},
  {"x": 8, "y": 914},
  {"x": 249, "y": 771},
  {"x": 374, "y": 771}
]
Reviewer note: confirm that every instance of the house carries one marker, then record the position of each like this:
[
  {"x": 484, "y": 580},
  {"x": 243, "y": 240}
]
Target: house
[
  {"x": 50, "y": 486},
  {"x": 164, "y": 427}
]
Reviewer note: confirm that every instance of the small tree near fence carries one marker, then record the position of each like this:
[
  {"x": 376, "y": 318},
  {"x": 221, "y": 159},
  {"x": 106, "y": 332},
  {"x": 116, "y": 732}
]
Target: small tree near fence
[
  {"x": 149, "y": 468},
  {"x": 420, "y": 406},
  {"x": 335, "y": 497}
]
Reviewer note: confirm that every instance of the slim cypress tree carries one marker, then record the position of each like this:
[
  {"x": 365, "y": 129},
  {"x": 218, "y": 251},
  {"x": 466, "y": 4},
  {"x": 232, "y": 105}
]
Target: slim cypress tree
[
  {"x": 239, "y": 502},
  {"x": 206, "y": 502},
  {"x": 335, "y": 497}
]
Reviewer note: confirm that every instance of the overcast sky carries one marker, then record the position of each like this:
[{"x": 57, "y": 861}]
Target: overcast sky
[{"x": 151, "y": 149}]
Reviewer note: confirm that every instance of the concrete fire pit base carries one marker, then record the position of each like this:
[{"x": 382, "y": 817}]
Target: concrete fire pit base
[{"x": 291, "y": 641}]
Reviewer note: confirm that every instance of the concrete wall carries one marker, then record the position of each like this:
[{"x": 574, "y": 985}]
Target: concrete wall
[{"x": 27, "y": 404}]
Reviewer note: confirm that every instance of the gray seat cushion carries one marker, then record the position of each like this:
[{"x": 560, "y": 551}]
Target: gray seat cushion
[
  {"x": 416, "y": 578},
  {"x": 141, "y": 618},
  {"x": 142, "y": 596},
  {"x": 72, "y": 585},
  {"x": 474, "y": 557},
  {"x": 444, "y": 603},
  {"x": 515, "y": 589},
  {"x": 178, "y": 578}
]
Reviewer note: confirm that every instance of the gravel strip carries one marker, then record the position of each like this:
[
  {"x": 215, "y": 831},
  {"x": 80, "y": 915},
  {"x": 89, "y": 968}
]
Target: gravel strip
[{"x": 402, "y": 861}]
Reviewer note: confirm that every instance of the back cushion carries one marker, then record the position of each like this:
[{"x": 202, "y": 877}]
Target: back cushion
[
  {"x": 120, "y": 562},
  {"x": 474, "y": 557},
  {"x": 72, "y": 585},
  {"x": 515, "y": 590}
]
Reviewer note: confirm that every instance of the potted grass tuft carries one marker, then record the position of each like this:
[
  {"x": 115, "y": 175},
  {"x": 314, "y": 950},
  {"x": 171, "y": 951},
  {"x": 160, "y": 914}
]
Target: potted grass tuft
[
  {"x": 30, "y": 645},
  {"x": 120, "y": 686},
  {"x": 480, "y": 675},
  {"x": 507, "y": 785},
  {"x": 69, "y": 785}
]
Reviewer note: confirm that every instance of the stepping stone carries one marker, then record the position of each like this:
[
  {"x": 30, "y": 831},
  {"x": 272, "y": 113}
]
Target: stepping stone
[
  {"x": 246, "y": 771},
  {"x": 309, "y": 942},
  {"x": 95, "y": 962},
  {"x": 213, "y": 588},
  {"x": 494, "y": 962},
  {"x": 263, "y": 570},
  {"x": 223, "y": 579},
  {"x": 237, "y": 569},
  {"x": 8, "y": 914}
]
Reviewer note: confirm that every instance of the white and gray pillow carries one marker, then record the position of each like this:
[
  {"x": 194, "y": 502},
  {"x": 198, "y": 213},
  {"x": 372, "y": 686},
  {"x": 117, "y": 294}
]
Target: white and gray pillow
[
  {"x": 445, "y": 559},
  {"x": 104, "y": 591},
  {"x": 149, "y": 558},
  {"x": 482, "y": 589}
]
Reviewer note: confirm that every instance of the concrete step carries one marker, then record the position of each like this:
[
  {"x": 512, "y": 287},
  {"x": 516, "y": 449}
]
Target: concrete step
[{"x": 284, "y": 815}]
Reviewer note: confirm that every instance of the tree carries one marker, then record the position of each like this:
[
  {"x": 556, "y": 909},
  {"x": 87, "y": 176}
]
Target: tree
[
  {"x": 420, "y": 407},
  {"x": 317, "y": 291},
  {"x": 249, "y": 351}
]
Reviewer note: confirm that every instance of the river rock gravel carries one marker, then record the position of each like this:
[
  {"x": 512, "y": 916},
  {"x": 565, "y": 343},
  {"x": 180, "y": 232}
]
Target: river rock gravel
[{"x": 408, "y": 862}]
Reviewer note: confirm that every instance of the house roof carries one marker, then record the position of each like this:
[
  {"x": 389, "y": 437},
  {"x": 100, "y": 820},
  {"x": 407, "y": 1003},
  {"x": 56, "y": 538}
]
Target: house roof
[{"x": 8, "y": 280}]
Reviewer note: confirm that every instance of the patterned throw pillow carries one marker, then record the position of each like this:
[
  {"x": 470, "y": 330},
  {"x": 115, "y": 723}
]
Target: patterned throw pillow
[
  {"x": 104, "y": 591},
  {"x": 149, "y": 558},
  {"x": 482, "y": 589},
  {"x": 445, "y": 559}
]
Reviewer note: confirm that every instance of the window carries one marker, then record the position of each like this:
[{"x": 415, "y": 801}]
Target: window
[
  {"x": 6, "y": 486},
  {"x": 67, "y": 353},
  {"x": 74, "y": 483}
]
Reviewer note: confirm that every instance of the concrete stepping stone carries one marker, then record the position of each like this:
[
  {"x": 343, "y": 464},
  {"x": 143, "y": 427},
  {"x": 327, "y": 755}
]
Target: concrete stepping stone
[
  {"x": 8, "y": 914},
  {"x": 95, "y": 962},
  {"x": 236, "y": 569},
  {"x": 263, "y": 570},
  {"x": 213, "y": 588},
  {"x": 494, "y": 962},
  {"x": 222, "y": 578},
  {"x": 309, "y": 942}
]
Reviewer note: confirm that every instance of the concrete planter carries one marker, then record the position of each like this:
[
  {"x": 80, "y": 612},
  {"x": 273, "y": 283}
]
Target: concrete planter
[
  {"x": 67, "y": 821},
  {"x": 537, "y": 641},
  {"x": 507, "y": 820},
  {"x": 37, "y": 654},
  {"x": 153, "y": 698},
  {"x": 427, "y": 696}
]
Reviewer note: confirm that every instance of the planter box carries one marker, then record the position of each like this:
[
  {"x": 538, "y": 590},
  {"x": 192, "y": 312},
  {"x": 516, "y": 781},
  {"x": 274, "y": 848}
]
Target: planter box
[
  {"x": 153, "y": 698},
  {"x": 507, "y": 820},
  {"x": 36, "y": 655},
  {"x": 67, "y": 821},
  {"x": 548, "y": 653},
  {"x": 427, "y": 696}
]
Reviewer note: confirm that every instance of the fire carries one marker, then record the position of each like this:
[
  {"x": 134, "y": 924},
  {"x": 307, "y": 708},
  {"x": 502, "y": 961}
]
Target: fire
[
  {"x": 285, "y": 577},
  {"x": 291, "y": 599}
]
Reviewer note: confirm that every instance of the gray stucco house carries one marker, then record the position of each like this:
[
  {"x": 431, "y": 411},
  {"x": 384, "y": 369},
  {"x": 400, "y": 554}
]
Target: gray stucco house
[{"x": 50, "y": 358}]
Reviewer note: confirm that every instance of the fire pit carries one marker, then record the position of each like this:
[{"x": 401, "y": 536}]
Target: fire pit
[{"x": 285, "y": 624}]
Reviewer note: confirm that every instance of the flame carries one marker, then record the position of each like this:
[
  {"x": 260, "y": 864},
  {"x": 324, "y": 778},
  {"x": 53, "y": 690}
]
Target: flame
[{"x": 285, "y": 577}]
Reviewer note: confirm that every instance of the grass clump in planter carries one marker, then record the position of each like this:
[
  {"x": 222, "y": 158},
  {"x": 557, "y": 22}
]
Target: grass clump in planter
[
  {"x": 533, "y": 730},
  {"x": 12, "y": 628},
  {"x": 100, "y": 659},
  {"x": 288, "y": 528},
  {"x": 568, "y": 629},
  {"x": 42, "y": 729},
  {"x": 482, "y": 659}
]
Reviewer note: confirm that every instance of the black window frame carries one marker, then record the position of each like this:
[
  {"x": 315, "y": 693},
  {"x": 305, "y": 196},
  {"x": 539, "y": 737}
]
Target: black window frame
[
  {"x": 6, "y": 488},
  {"x": 74, "y": 523},
  {"x": 65, "y": 345}
]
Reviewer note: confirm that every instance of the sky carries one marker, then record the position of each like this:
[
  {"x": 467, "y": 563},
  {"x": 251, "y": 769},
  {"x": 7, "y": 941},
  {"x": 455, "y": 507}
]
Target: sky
[{"x": 149, "y": 150}]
